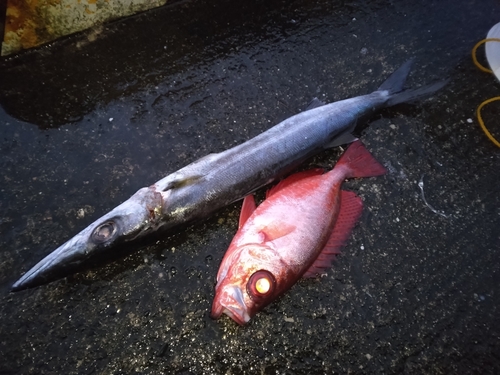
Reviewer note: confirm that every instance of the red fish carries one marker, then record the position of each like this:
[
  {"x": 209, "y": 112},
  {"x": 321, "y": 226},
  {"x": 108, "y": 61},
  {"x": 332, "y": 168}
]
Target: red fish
[{"x": 296, "y": 232}]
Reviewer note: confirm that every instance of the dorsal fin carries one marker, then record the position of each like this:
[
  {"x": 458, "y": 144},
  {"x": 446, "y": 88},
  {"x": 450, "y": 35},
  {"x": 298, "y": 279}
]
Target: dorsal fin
[
  {"x": 292, "y": 179},
  {"x": 314, "y": 103},
  {"x": 350, "y": 211},
  {"x": 247, "y": 209}
]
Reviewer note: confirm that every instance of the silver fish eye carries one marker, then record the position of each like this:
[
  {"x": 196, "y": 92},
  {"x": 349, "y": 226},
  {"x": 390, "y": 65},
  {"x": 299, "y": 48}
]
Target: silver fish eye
[{"x": 104, "y": 232}]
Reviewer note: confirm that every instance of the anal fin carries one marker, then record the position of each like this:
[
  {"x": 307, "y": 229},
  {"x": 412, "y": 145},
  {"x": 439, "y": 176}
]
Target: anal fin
[
  {"x": 351, "y": 207},
  {"x": 343, "y": 138}
]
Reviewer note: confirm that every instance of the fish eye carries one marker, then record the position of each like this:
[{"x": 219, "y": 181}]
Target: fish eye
[
  {"x": 104, "y": 232},
  {"x": 261, "y": 284}
]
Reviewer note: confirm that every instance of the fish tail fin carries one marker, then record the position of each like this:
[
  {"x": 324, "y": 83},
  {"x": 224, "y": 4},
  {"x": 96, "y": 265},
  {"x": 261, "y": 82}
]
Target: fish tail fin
[
  {"x": 396, "y": 81},
  {"x": 394, "y": 85},
  {"x": 358, "y": 162}
]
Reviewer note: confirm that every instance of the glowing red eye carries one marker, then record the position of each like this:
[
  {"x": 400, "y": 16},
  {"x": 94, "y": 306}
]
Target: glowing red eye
[{"x": 261, "y": 284}]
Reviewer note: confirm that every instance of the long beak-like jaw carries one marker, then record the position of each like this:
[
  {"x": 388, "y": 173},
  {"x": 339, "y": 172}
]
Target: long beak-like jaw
[
  {"x": 140, "y": 214},
  {"x": 61, "y": 262}
]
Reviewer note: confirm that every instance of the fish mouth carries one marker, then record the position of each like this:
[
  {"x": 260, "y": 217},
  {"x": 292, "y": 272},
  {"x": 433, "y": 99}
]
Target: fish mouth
[
  {"x": 230, "y": 301},
  {"x": 59, "y": 263}
]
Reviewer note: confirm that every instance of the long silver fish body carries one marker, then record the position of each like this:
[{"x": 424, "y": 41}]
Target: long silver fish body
[{"x": 216, "y": 180}]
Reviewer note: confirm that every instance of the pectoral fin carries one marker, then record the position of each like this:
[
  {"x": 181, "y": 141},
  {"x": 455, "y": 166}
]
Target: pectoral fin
[
  {"x": 182, "y": 182},
  {"x": 274, "y": 231},
  {"x": 247, "y": 209}
]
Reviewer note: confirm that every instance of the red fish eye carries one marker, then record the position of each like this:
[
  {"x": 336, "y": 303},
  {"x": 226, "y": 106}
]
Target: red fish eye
[{"x": 261, "y": 284}]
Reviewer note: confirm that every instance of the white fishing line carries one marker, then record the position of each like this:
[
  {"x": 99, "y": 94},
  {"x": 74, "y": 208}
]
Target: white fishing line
[{"x": 421, "y": 186}]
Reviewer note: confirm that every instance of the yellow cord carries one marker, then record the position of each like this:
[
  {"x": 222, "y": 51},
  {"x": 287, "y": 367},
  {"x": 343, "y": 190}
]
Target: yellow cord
[
  {"x": 482, "y": 68},
  {"x": 474, "y": 59},
  {"x": 480, "y": 119}
]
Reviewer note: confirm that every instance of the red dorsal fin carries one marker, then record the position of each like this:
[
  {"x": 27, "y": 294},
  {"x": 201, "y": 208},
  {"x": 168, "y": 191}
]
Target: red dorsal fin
[
  {"x": 247, "y": 209},
  {"x": 359, "y": 162},
  {"x": 294, "y": 178},
  {"x": 350, "y": 211}
]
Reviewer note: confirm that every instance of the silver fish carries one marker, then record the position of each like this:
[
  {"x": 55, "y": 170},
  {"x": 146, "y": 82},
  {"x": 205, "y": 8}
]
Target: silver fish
[{"x": 216, "y": 180}]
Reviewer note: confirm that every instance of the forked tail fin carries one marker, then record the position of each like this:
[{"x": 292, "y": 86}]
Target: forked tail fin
[
  {"x": 395, "y": 86},
  {"x": 358, "y": 162},
  {"x": 396, "y": 81}
]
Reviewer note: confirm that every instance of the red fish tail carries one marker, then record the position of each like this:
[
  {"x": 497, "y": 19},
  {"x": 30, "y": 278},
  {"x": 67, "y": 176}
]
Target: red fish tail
[{"x": 358, "y": 162}]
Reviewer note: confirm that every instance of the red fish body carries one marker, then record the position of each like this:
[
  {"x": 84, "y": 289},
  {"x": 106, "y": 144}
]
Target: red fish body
[{"x": 296, "y": 232}]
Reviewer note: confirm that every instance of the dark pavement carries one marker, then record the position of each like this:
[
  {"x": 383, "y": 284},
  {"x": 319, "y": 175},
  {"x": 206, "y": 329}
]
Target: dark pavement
[{"x": 90, "y": 119}]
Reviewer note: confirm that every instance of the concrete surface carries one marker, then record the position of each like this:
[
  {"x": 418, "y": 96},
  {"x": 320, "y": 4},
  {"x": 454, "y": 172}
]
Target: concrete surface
[{"x": 88, "y": 121}]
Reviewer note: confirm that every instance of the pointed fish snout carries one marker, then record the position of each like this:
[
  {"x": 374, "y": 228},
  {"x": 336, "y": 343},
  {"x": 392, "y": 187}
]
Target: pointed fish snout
[{"x": 59, "y": 263}]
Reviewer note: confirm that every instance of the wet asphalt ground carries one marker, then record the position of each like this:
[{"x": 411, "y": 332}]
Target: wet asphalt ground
[{"x": 90, "y": 119}]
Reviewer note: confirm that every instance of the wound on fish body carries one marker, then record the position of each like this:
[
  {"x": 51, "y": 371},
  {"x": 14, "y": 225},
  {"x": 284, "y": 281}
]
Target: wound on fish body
[{"x": 296, "y": 232}]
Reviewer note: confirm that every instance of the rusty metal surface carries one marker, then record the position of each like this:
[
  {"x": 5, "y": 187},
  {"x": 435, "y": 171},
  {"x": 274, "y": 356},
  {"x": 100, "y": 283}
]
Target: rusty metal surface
[{"x": 32, "y": 23}]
